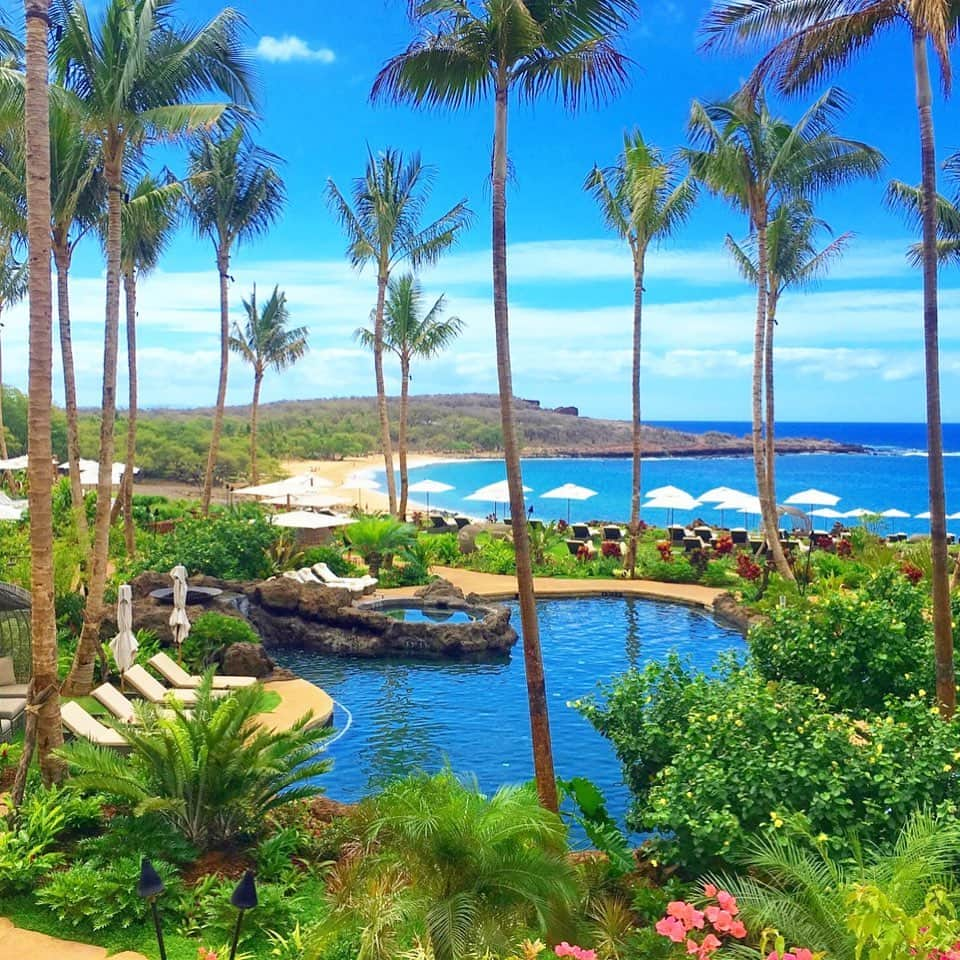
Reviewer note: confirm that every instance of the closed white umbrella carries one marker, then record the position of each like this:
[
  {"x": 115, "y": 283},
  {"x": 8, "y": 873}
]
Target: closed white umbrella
[
  {"x": 428, "y": 487},
  {"x": 124, "y": 645},
  {"x": 494, "y": 493},
  {"x": 179, "y": 621},
  {"x": 568, "y": 492}
]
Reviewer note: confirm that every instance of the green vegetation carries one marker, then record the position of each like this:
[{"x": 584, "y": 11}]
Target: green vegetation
[{"x": 210, "y": 633}]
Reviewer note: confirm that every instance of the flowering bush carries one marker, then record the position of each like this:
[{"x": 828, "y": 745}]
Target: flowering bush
[
  {"x": 724, "y": 545},
  {"x": 747, "y": 568},
  {"x": 844, "y": 548},
  {"x": 666, "y": 551},
  {"x": 610, "y": 549},
  {"x": 584, "y": 553},
  {"x": 565, "y": 949},
  {"x": 702, "y": 930},
  {"x": 825, "y": 543},
  {"x": 911, "y": 571}
]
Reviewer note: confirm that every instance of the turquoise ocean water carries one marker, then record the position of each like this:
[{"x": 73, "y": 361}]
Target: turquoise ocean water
[{"x": 892, "y": 475}]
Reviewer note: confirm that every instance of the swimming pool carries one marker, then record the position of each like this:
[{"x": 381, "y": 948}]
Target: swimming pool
[{"x": 410, "y": 714}]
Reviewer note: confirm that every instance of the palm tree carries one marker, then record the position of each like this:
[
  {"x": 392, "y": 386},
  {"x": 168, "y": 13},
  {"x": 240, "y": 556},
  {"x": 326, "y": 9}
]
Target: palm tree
[
  {"x": 234, "y": 195},
  {"x": 643, "y": 199},
  {"x": 755, "y": 160},
  {"x": 528, "y": 48},
  {"x": 408, "y": 332},
  {"x": 812, "y": 38},
  {"x": 266, "y": 342},
  {"x": 383, "y": 228},
  {"x": 148, "y": 222},
  {"x": 136, "y": 74},
  {"x": 13, "y": 288},
  {"x": 43, "y": 714},
  {"x": 794, "y": 262}
]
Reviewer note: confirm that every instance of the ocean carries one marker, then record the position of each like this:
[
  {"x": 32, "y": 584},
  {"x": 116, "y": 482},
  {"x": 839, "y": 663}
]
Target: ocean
[{"x": 892, "y": 475}]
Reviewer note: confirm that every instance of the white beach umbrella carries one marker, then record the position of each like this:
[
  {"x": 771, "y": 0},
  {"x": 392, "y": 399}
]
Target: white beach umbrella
[
  {"x": 923, "y": 516},
  {"x": 745, "y": 503},
  {"x": 722, "y": 495},
  {"x": 894, "y": 514},
  {"x": 494, "y": 493},
  {"x": 666, "y": 491},
  {"x": 813, "y": 498},
  {"x": 124, "y": 645},
  {"x": 14, "y": 463},
  {"x": 428, "y": 487},
  {"x": 953, "y": 516},
  {"x": 828, "y": 513},
  {"x": 678, "y": 500},
  {"x": 302, "y": 483},
  {"x": 321, "y": 500},
  {"x": 304, "y": 520},
  {"x": 858, "y": 512},
  {"x": 568, "y": 492},
  {"x": 357, "y": 483},
  {"x": 179, "y": 621}
]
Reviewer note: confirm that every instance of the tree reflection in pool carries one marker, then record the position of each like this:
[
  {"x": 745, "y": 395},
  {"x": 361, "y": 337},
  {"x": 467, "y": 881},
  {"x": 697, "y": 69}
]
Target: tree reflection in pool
[{"x": 410, "y": 714}]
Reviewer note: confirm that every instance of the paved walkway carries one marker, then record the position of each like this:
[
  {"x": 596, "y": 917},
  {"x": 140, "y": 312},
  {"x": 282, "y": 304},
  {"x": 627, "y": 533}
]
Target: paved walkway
[
  {"x": 17, "y": 944},
  {"x": 495, "y": 587}
]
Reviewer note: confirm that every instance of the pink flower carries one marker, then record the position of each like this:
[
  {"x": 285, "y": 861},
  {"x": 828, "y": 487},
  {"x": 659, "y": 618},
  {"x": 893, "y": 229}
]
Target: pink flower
[
  {"x": 207, "y": 953},
  {"x": 710, "y": 943},
  {"x": 563, "y": 949},
  {"x": 709, "y": 890},
  {"x": 721, "y": 919},
  {"x": 802, "y": 953},
  {"x": 738, "y": 930},
  {"x": 728, "y": 902},
  {"x": 672, "y": 928},
  {"x": 686, "y": 913},
  {"x": 583, "y": 954}
]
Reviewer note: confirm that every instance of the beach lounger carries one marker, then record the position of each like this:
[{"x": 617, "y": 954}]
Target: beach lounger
[
  {"x": 154, "y": 691},
  {"x": 580, "y": 531},
  {"x": 739, "y": 536},
  {"x": 462, "y": 522},
  {"x": 677, "y": 533},
  {"x": 692, "y": 543},
  {"x": 176, "y": 676},
  {"x": 612, "y": 533},
  {"x": 330, "y": 579},
  {"x": 13, "y": 714},
  {"x": 536, "y": 524},
  {"x": 121, "y": 706},
  {"x": 82, "y": 725},
  {"x": 704, "y": 533},
  {"x": 8, "y": 680}
]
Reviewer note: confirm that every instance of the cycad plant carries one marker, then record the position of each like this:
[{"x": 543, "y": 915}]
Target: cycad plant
[
  {"x": 795, "y": 262},
  {"x": 234, "y": 194},
  {"x": 812, "y": 39},
  {"x": 212, "y": 771},
  {"x": 378, "y": 540},
  {"x": 469, "y": 51},
  {"x": 476, "y": 871},
  {"x": 794, "y": 885},
  {"x": 410, "y": 331},
  {"x": 643, "y": 198},
  {"x": 265, "y": 341},
  {"x": 383, "y": 228},
  {"x": 756, "y": 160}
]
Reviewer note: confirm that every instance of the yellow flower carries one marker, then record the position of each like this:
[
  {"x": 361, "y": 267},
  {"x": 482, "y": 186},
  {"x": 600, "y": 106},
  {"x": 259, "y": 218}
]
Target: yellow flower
[
  {"x": 822, "y": 838},
  {"x": 947, "y": 767},
  {"x": 921, "y": 692},
  {"x": 713, "y": 718}
]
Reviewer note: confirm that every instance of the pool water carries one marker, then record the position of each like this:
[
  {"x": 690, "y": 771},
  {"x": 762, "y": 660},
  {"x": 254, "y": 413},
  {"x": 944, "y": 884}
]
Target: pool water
[
  {"x": 410, "y": 714},
  {"x": 427, "y": 615}
]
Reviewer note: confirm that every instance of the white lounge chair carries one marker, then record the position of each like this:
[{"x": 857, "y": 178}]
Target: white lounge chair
[
  {"x": 82, "y": 724},
  {"x": 357, "y": 584},
  {"x": 121, "y": 706},
  {"x": 154, "y": 691},
  {"x": 176, "y": 676}
]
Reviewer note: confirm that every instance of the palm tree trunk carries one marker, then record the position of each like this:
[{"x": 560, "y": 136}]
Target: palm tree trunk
[
  {"x": 382, "y": 410},
  {"x": 43, "y": 711},
  {"x": 130, "y": 300},
  {"x": 223, "y": 266},
  {"x": 942, "y": 627},
  {"x": 62, "y": 256},
  {"x": 532, "y": 655},
  {"x": 770, "y": 442},
  {"x": 402, "y": 434},
  {"x": 768, "y": 504},
  {"x": 631, "y": 561},
  {"x": 257, "y": 384},
  {"x": 80, "y": 679}
]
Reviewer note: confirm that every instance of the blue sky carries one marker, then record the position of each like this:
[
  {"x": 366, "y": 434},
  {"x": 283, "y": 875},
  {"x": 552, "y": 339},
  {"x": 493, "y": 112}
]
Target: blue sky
[{"x": 851, "y": 350}]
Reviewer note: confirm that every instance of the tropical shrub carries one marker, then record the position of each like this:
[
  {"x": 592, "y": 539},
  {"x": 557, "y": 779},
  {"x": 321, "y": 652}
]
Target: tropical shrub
[
  {"x": 475, "y": 871},
  {"x": 379, "y": 539},
  {"x": 858, "y": 648},
  {"x": 210, "y": 633},
  {"x": 151, "y": 835},
  {"x": 493, "y": 556},
  {"x": 447, "y": 548},
  {"x": 711, "y": 760},
  {"x": 212, "y": 772}
]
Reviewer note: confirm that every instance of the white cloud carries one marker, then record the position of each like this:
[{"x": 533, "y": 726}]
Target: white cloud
[{"x": 290, "y": 47}]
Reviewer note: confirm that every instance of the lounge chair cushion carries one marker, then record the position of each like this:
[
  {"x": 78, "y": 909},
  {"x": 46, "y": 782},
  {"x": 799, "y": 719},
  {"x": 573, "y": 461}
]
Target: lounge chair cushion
[
  {"x": 115, "y": 702},
  {"x": 12, "y": 707},
  {"x": 81, "y": 724},
  {"x": 7, "y": 675},
  {"x": 14, "y": 690},
  {"x": 153, "y": 690},
  {"x": 173, "y": 673}
]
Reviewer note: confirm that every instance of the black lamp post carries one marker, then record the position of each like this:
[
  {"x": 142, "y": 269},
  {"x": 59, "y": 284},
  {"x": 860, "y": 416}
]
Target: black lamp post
[
  {"x": 243, "y": 898},
  {"x": 150, "y": 886}
]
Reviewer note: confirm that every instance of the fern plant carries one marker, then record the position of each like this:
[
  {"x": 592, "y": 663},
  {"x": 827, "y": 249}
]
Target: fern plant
[
  {"x": 796, "y": 887},
  {"x": 213, "y": 772}
]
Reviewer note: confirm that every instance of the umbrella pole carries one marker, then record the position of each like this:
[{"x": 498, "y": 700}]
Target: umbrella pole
[{"x": 568, "y": 512}]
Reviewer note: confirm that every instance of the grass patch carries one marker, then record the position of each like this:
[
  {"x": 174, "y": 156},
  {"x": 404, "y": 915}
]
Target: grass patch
[
  {"x": 271, "y": 700},
  {"x": 94, "y": 707}
]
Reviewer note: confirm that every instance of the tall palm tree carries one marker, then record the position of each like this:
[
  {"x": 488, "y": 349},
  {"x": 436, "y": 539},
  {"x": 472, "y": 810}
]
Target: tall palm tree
[
  {"x": 13, "y": 288},
  {"x": 408, "y": 332},
  {"x": 794, "y": 262},
  {"x": 43, "y": 714},
  {"x": 234, "y": 195},
  {"x": 528, "y": 48},
  {"x": 148, "y": 222},
  {"x": 266, "y": 341},
  {"x": 643, "y": 198},
  {"x": 383, "y": 228},
  {"x": 811, "y": 39},
  {"x": 755, "y": 160},
  {"x": 137, "y": 74}
]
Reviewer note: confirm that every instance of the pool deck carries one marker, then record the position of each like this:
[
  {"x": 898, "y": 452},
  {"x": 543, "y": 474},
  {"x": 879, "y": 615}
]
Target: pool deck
[
  {"x": 297, "y": 697},
  {"x": 492, "y": 586}
]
